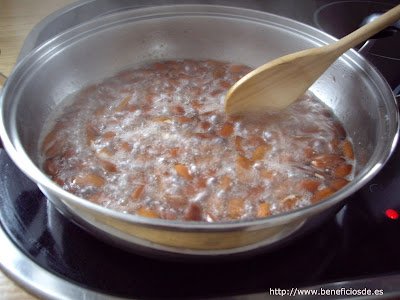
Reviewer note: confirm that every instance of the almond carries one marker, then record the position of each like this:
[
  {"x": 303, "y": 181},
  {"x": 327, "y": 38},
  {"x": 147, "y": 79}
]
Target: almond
[
  {"x": 338, "y": 183},
  {"x": 137, "y": 192},
  {"x": 322, "y": 194},
  {"x": 183, "y": 119},
  {"x": 123, "y": 103},
  {"x": 244, "y": 162},
  {"x": 347, "y": 149},
  {"x": 225, "y": 84},
  {"x": 226, "y": 130},
  {"x": 225, "y": 182},
  {"x": 263, "y": 210},
  {"x": 88, "y": 180},
  {"x": 309, "y": 185},
  {"x": 108, "y": 166},
  {"x": 327, "y": 161},
  {"x": 146, "y": 212},
  {"x": 160, "y": 119},
  {"x": 260, "y": 152},
  {"x": 288, "y": 202},
  {"x": 183, "y": 171},
  {"x": 236, "y": 207},
  {"x": 193, "y": 213},
  {"x": 50, "y": 167},
  {"x": 343, "y": 170},
  {"x": 238, "y": 143}
]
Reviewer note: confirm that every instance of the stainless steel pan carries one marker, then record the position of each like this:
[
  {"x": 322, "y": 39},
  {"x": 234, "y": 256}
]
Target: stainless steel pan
[{"x": 352, "y": 87}]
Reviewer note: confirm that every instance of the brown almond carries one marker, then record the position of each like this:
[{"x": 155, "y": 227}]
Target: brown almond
[
  {"x": 193, "y": 213},
  {"x": 175, "y": 152},
  {"x": 343, "y": 170},
  {"x": 131, "y": 108},
  {"x": 236, "y": 207},
  {"x": 226, "y": 130},
  {"x": 177, "y": 110},
  {"x": 256, "y": 191},
  {"x": 137, "y": 192},
  {"x": 147, "y": 212},
  {"x": 288, "y": 202},
  {"x": 149, "y": 98},
  {"x": 338, "y": 183},
  {"x": 197, "y": 104},
  {"x": 309, "y": 152},
  {"x": 225, "y": 84},
  {"x": 183, "y": 119},
  {"x": 123, "y": 103},
  {"x": 238, "y": 143},
  {"x": 108, "y": 166},
  {"x": 50, "y": 167},
  {"x": 109, "y": 134},
  {"x": 218, "y": 73},
  {"x": 322, "y": 194},
  {"x": 244, "y": 162},
  {"x": 160, "y": 119},
  {"x": 263, "y": 210},
  {"x": 201, "y": 183},
  {"x": 183, "y": 171},
  {"x": 125, "y": 147},
  {"x": 347, "y": 149},
  {"x": 88, "y": 180},
  {"x": 326, "y": 161},
  {"x": 215, "y": 93},
  {"x": 205, "y": 135},
  {"x": 99, "y": 112},
  {"x": 310, "y": 185},
  {"x": 205, "y": 125},
  {"x": 260, "y": 152},
  {"x": 225, "y": 182}
]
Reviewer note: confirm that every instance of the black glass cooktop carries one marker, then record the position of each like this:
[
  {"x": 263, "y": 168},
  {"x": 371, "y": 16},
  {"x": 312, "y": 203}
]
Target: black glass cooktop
[{"x": 360, "y": 242}]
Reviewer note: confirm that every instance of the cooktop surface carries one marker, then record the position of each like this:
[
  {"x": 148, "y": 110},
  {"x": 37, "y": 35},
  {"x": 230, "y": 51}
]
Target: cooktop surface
[{"x": 355, "y": 250}]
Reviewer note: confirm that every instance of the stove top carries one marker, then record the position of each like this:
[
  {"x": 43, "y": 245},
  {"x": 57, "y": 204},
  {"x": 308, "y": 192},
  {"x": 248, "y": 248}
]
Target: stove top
[{"x": 356, "y": 250}]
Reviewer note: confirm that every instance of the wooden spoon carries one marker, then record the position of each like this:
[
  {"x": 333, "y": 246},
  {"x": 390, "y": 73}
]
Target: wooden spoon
[{"x": 282, "y": 81}]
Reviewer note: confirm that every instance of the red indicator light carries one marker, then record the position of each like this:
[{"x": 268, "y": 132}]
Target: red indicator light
[{"x": 391, "y": 213}]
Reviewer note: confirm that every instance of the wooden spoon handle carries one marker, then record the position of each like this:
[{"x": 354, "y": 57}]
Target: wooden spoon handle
[
  {"x": 282, "y": 81},
  {"x": 368, "y": 30}
]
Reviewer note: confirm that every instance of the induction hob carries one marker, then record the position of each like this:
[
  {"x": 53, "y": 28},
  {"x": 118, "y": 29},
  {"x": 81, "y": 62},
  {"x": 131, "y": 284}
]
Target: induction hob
[{"x": 354, "y": 252}]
